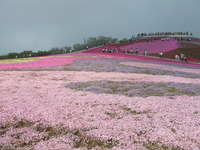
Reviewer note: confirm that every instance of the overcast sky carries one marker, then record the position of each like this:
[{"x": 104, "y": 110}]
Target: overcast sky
[{"x": 43, "y": 24}]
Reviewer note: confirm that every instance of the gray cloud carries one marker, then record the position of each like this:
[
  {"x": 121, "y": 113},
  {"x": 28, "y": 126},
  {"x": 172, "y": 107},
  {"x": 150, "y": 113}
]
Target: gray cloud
[{"x": 43, "y": 24}]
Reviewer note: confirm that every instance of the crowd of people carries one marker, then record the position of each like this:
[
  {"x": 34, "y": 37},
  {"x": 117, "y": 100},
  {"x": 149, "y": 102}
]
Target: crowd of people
[
  {"x": 182, "y": 57},
  {"x": 163, "y": 33},
  {"x": 109, "y": 50},
  {"x": 136, "y": 51},
  {"x": 183, "y": 39},
  {"x": 188, "y": 39}
]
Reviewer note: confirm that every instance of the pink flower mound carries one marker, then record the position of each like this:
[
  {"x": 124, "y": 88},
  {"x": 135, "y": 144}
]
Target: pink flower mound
[{"x": 154, "y": 47}]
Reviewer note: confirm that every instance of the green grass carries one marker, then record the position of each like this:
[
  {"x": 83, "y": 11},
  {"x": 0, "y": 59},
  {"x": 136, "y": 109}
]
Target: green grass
[
  {"x": 23, "y": 124},
  {"x": 19, "y": 60},
  {"x": 133, "y": 112},
  {"x": 85, "y": 142},
  {"x": 159, "y": 146}
]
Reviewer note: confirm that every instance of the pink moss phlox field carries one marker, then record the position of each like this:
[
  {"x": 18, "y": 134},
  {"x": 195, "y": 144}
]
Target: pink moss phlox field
[
  {"x": 66, "y": 59},
  {"x": 96, "y": 53},
  {"x": 30, "y": 99},
  {"x": 45, "y": 62},
  {"x": 154, "y": 47},
  {"x": 120, "y": 55},
  {"x": 50, "y": 61}
]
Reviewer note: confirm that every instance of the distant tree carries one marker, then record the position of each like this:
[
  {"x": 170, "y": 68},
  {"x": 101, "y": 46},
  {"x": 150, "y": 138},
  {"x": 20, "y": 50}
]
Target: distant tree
[
  {"x": 25, "y": 54},
  {"x": 61, "y": 51},
  {"x": 4, "y": 57},
  {"x": 101, "y": 40},
  {"x": 79, "y": 46},
  {"x": 67, "y": 49},
  {"x": 55, "y": 50},
  {"x": 92, "y": 42},
  {"x": 42, "y": 53},
  {"x": 12, "y": 55}
]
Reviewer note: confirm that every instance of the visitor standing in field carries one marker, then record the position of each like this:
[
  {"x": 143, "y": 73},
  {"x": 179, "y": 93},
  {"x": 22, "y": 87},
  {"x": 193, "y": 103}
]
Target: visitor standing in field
[
  {"x": 145, "y": 52},
  {"x": 182, "y": 56},
  {"x": 177, "y": 57},
  {"x": 161, "y": 54},
  {"x": 136, "y": 51}
]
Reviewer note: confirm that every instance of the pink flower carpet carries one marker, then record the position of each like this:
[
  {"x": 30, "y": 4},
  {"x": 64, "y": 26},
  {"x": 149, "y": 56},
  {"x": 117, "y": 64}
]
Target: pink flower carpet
[
  {"x": 58, "y": 110},
  {"x": 38, "y": 111}
]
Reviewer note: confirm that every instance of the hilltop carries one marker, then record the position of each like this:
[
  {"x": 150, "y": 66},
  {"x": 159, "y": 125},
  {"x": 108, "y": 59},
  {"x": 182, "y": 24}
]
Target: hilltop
[{"x": 170, "y": 44}]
